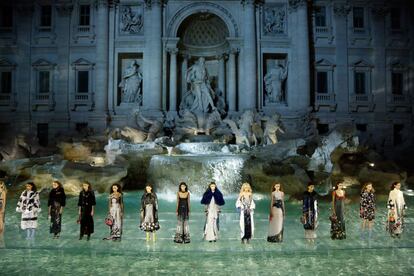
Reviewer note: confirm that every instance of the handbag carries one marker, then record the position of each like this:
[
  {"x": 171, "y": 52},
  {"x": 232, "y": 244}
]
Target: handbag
[
  {"x": 333, "y": 218},
  {"x": 109, "y": 220}
]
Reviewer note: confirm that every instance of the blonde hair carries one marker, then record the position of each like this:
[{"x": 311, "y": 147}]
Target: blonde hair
[
  {"x": 364, "y": 188},
  {"x": 3, "y": 185},
  {"x": 247, "y": 186}
]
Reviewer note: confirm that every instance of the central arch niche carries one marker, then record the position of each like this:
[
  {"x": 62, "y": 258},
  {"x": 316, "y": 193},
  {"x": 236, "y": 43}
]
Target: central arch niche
[{"x": 205, "y": 35}]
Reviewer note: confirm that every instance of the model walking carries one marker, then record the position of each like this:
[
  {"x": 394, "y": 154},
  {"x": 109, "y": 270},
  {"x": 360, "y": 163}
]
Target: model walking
[
  {"x": 56, "y": 203},
  {"x": 246, "y": 206},
  {"x": 29, "y": 206},
  {"x": 182, "y": 233},
  {"x": 212, "y": 199}
]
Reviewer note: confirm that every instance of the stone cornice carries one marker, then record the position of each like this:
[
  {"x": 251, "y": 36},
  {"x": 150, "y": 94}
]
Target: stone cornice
[{"x": 295, "y": 4}]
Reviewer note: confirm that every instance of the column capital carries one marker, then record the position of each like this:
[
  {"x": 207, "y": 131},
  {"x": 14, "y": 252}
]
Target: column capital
[
  {"x": 248, "y": 2},
  {"x": 233, "y": 51},
  {"x": 341, "y": 9},
  {"x": 295, "y": 4},
  {"x": 222, "y": 56},
  {"x": 172, "y": 51},
  {"x": 150, "y": 3}
]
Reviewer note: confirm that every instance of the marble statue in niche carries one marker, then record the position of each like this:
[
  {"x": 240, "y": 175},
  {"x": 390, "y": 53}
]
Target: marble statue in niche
[
  {"x": 131, "y": 84},
  {"x": 274, "y": 20},
  {"x": 200, "y": 97},
  {"x": 131, "y": 22},
  {"x": 274, "y": 80}
]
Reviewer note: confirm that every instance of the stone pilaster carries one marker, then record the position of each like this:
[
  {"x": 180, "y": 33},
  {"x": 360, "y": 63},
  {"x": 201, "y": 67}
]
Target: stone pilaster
[
  {"x": 231, "y": 82},
  {"x": 173, "y": 79}
]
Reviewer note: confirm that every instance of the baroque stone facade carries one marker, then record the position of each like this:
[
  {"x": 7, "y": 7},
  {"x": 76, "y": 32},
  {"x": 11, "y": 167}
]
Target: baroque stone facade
[{"x": 69, "y": 64}]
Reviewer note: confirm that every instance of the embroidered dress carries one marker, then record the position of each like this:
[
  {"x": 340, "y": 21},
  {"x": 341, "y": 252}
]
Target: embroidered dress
[
  {"x": 116, "y": 211},
  {"x": 29, "y": 206},
  {"x": 86, "y": 201},
  {"x": 57, "y": 200},
  {"x": 367, "y": 206},
  {"x": 246, "y": 206},
  {"x": 212, "y": 201},
  {"x": 275, "y": 232},
  {"x": 182, "y": 234},
  {"x": 310, "y": 214},
  {"x": 149, "y": 212},
  {"x": 396, "y": 206},
  {"x": 338, "y": 224}
]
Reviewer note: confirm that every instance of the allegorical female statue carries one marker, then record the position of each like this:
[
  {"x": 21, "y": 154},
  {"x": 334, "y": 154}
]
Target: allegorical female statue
[
  {"x": 273, "y": 81},
  {"x": 131, "y": 84}
]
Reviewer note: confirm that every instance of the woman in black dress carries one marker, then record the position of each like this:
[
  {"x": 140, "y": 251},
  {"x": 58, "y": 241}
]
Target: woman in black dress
[
  {"x": 182, "y": 234},
  {"x": 86, "y": 205},
  {"x": 56, "y": 202}
]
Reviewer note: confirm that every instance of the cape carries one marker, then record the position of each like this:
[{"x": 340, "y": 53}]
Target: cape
[{"x": 208, "y": 195}]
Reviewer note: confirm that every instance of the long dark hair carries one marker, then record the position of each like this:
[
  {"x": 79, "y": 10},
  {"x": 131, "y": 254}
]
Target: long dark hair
[
  {"x": 337, "y": 184},
  {"x": 117, "y": 185},
  {"x": 273, "y": 186},
  {"x": 186, "y": 187},
  {"x": 394, "y": 184},
  {"x": 148, "y": 185},
  {"x": 34, "y": 188}
]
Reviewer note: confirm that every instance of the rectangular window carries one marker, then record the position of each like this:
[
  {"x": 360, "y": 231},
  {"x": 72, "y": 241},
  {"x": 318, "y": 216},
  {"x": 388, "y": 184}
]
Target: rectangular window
[
  {"x": 43, "y": 134},
  {"x": 322, "y": 82},
  {"x": 358, "y": 17},
  {"x": 83, "y": 82},
  {"x": 397, "y": 131},
  {"x": 320, "y": 16},
  {"x": 323, "y": 129},
  {"x": 395, "y": 18},
  {"x": 6, "y": 82},
  {"x": 359, "y": 83},
  {"x": 44, "y": 82},
  {"x": 361, "y": 127},
  {"x": 84, "y": 15},
  {"x": 397, "y": 83},
  {"x": 46, "y": 16},
  {"x": 6, "y": 17}
]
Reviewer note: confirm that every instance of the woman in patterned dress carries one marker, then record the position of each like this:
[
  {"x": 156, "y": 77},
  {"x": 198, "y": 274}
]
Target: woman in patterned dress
[
  {"x": 396, "y": 210},
  {"x": 3, "y": 197},
  {"x": 149, "y": 212},
  {"x": 29, "y": 206},
  {"x": 338, "y": 213},
  {"x": 367, "y": 209},
  {"x": 116, "y": 211}
]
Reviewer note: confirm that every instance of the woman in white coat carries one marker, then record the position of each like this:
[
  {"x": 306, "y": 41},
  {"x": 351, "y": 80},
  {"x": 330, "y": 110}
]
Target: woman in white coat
[
  {"x": 396, "y": 209},
  {"x": 246, "y": 206}
]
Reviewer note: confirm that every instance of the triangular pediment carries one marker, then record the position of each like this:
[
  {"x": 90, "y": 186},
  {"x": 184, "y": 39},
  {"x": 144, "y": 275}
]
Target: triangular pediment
[
  {"x": 324, "y": 62},
  {"x": 4, "y": 62},
  {"x": 82, "y": 61},
  {"x": 43, "y": 63},
  {"x": 362, "y": 63}
]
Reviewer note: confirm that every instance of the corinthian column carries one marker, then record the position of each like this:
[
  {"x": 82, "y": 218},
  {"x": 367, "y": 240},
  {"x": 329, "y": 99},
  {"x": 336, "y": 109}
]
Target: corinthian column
[
  {"x": 247, "y": 99},
  {"x": 231, "y": 82},
  {"x": 299, "y": 95},
  {"x": 152, "y": 94},
  {"x": 173, "y": 79}
]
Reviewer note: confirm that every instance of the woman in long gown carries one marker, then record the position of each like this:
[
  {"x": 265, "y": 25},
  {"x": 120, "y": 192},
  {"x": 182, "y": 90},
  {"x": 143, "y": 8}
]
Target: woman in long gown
[
  {"x": 277, "y": 214},
  {"x": 396, "y": 207},
  {"x": 338, "y": 213},
  {"x": 246, "y": 205},
  {"x": 310, "y": 212},
  {"x": 86, "y": 207},
  {"x": 3, "y": 197},
  {"x": 56, "y": 203},
  {"x": 367, "y": 209},
  {"x": 116, "y": 211},
  {"x": 149, "y": 212},
  {"x": 182, "y": 233},
  {"x": 29, "y": 206},
  {"x": 212, "y": 199}
]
